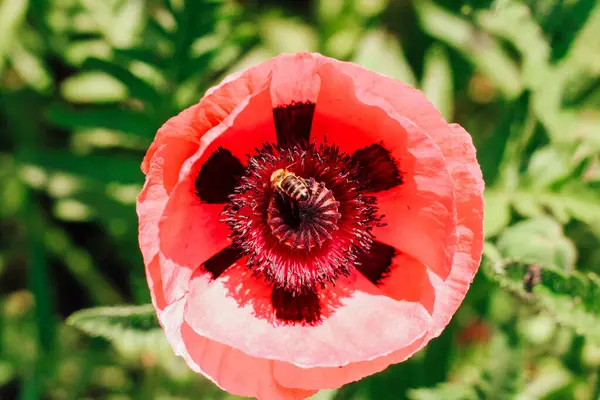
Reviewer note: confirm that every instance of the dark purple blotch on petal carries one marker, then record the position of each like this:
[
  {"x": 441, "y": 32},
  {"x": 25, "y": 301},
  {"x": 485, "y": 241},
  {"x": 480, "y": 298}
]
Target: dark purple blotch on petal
[
  {"x": 375, "y": 263},
  {"x": 218, "y": 177},
  {"x": 293, "y": 123},
  {"x": 296, "y": 308},
  {"x": 376, "y": 169},
  {"x": 218, "y": 263}
]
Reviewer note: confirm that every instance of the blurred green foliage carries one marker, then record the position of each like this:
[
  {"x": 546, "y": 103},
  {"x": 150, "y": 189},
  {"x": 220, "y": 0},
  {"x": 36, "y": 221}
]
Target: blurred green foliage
[{"x": 84, "y": 85}]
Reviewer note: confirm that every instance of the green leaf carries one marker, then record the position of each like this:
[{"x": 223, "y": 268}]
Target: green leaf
[
  {"x": 112, "y": 207},
  {"x": 512, "y": 20},
  {"x": 131, "y": 329},
  {"x": 12, "y": 14},
  {"x": 198, "y": 65},
  {"x": 250, "y": 59},
  {"x": 549, "y": 165},
  {"x": 93, "y": 87},
  {"x": 13, "y": 193},
  {"x": 31, "y": 69},
  {"x": 127, "y": 23},
  {"x": 370, "y": 8},
  {"x": 7, "y": 372},
  {"x": 571, "y": 298},
  {"x": 390, "y": 384},
  {"x": 39, "y": 275},
  {"x": 446, "y": 391},
  {"x": 137, "y": 87},
  {"x": 78, "y": 52},
  {"x": 381, "y": 52},
  {"x": 342, "y": 43},
  {"x": 329, "y": 10},
  {"x": 98, "y": 168},
  {"x": 112, "y": 321},
  {"x": 285, "y": 35},
  {"x": 502, "y": 376},
  {"x": 79, "y": 264},
  {"x": 538, "y": 240},
  {"x": 437, "y": 82},
  {"x": 551, "y": 376},
  {"x": 585, "y": 49},
  {"x": 581, "y": 204},
  {"x": 478, "y": 47},
  {"x": 329, "y": 394},
  {"x": 497, "y": 376},
  {"x": 143, "y": 54},
  {"x": 573, "y": 200},
  {"x": 497, "y": 213},
  {"x": 580, "y": 63},
  {"x": 120, "y": 23},
  {"x": 114, "y": 118}
]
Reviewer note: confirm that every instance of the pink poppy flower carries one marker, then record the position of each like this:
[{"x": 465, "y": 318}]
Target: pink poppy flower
[{"x": 278, "y": 288}]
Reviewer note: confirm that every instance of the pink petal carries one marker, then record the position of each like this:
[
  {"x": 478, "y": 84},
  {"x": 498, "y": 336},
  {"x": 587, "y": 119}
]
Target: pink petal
[
  {"x": 162, "y": 175},
  {"x": 155, "y": 283},
  {"x": 294, "y": 78},
  {"x": 178, "y": 139},
  {"x": 218, "y": 103},
  {"x": 457, "y": 148},
  {"x": 420, "y": 213},
  {"x": 317, "y": 378},
  {"x": 342, "y": 117},
  {"x": 150, "y": 205},
  {"x": 189, "y": 234},
  {"x": 402, "y": 98},
  {"x": 359, "y": 322},
  {"x": 183, "y": 126},
  {"x": 230, "y": 368},
  {"x": 248, "y": 126},
  {"x": 227, "y": 367},
  {"x": 462, "y": 163},
  {"x": 190, "y": 231},
  {"x": 408, "y": 280}
]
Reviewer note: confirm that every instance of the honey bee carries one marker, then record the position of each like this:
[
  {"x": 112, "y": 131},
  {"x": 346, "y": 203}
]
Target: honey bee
[{"x": 289, "y": 184}]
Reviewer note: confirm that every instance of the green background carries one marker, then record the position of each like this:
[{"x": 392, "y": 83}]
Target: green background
[{"x": 84, "y": 84}]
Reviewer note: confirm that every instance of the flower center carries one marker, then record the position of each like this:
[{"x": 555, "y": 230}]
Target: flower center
[
  {"x": 304, "y": 224},
  {"x": 299, "y": 216}
]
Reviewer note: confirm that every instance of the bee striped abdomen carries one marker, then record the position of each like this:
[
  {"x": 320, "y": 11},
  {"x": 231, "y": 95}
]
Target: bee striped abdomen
[{"x": 295, "y": 187}]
